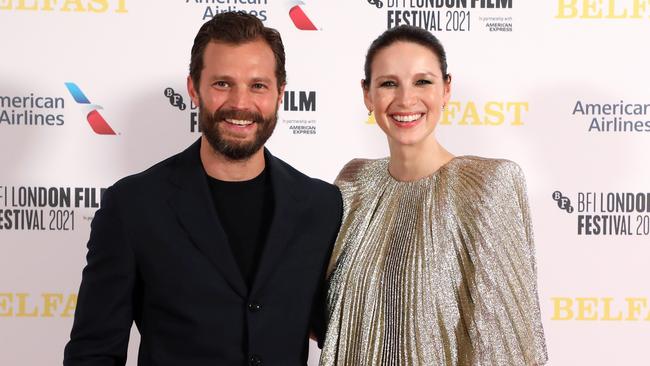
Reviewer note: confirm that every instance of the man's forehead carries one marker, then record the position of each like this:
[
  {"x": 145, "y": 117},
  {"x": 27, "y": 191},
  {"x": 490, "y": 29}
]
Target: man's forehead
[
  {"x": 258, "y": 44},
  {"x": 230, "y": 77},
  {"x": 251, "y": 59},
  {"x": 244, "y": 53}
]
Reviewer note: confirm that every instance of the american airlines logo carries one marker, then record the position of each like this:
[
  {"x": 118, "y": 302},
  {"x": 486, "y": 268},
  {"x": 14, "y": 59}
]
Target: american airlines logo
[
  {"x": 94, "y": 118},
  {"x": 299, "y": 17}
]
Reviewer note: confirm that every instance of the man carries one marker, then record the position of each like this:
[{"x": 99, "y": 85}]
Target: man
[{"x": 218, "y": 253}]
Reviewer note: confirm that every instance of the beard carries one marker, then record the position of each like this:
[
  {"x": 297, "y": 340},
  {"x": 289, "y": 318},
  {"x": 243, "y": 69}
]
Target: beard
[{"x": 231, "y": 147}]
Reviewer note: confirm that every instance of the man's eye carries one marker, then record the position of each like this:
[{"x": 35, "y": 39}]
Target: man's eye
[
  {"x": 259, "y": 86},
  {"x": 220, "y": 84},
  {"x": 423, "y": 82},
  {"x": 387, "y": 84}
]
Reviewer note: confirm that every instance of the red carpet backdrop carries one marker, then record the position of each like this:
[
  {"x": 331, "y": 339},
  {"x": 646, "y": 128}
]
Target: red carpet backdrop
[{"x": 93, "y": 90}]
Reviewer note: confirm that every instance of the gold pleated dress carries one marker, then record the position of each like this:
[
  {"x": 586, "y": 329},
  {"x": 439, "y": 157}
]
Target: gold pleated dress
[{"x": 438, "y": 271}]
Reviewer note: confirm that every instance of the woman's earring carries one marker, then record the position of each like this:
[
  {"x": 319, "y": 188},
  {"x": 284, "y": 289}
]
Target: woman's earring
[{"x": 371, "y": 118}]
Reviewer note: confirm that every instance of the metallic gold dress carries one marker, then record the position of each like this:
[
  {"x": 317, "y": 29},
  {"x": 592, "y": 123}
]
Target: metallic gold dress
[{"x": 438, "y": 271}]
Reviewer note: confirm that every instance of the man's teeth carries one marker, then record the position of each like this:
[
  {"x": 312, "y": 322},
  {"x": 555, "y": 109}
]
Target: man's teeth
[
  {"x": 408, "y": 118},
  {"x": 239, "y": 122}
]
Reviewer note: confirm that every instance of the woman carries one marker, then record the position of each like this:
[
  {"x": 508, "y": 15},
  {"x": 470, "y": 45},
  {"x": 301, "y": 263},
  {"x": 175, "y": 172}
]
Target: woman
[{"x": 434, "y": 263}]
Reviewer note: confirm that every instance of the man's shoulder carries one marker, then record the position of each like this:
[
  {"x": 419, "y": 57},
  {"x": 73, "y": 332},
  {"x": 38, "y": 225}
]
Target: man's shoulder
[
  {"x": 300, "y": 177},
  {"x": 321, "y": 194},
  {"x": 152, "y": 174},
  {"x": 151, "y": 179}
]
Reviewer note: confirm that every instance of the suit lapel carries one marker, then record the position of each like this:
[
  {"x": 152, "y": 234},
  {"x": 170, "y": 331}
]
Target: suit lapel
[
  {"x": 288, "y": 201},
  {"x": 195, "y": 211}
]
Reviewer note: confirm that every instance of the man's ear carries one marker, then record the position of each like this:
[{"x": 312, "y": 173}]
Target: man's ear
[
  {"x": 281, "y": 94},
  {"x": 192, "y": 90}
]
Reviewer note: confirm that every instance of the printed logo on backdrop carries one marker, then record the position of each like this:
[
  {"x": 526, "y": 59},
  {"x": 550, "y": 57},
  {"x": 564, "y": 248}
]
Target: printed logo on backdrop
[
  {"x": 608, "y": 213},
  {"x": 210, "y": 8},
  {"x": 297, "y": 10},
  {"x": 44, "y": 305},
  {"x": 486, "y": 114},
  {"x": 177, "y": 101},
  {"x": 66, "y": 6},
  {"x": 299, "y": 16},
  {"x": 448, "y": 15},
  {"x": 94, "y": 118},
  {"x": 41, "y": 110},
  {"x": 27, "y": 208},
  {"x": 31, "y": 110},
  {"x": 606, "y": 309},
  {"x": 297, "y": 111},
  {"x": 617, "y": 117},
  {"x": 603, "y": 9}
]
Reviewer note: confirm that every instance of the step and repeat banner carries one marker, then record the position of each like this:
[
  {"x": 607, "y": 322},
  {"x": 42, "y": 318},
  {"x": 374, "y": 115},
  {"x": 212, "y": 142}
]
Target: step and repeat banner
[{"x": 93, "y": 90}]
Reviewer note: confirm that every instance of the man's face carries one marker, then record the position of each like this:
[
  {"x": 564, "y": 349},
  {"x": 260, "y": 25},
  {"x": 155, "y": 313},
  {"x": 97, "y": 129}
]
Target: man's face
[{"x": 238, "y": 97}]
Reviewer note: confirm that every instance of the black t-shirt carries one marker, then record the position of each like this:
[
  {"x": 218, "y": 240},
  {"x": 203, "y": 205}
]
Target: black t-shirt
[{"x": 244, "y": 209}]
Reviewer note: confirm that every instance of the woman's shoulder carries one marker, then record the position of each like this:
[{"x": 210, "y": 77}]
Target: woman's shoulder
[
  {"x": 359, "y": 168},
  {"x": 480, "y": 178},
  {"x": 486, "y": 168}
]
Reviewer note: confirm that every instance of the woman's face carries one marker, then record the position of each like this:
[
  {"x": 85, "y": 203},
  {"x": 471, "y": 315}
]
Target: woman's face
[{"x": 407, "y": 92}]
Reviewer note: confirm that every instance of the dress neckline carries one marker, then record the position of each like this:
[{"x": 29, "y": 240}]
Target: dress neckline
[{"x": 419, "y": 180}]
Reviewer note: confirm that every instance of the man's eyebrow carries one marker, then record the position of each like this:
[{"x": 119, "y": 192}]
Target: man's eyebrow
[
  {"x": 219, "y": 77},
  {"x": 265, "y": 79}
]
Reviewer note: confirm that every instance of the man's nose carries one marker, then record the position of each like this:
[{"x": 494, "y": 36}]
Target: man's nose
[{"x": 239, "y": 98}]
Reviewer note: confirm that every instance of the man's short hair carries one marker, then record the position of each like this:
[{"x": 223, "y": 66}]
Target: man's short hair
[{"x": 236, "y": 28}]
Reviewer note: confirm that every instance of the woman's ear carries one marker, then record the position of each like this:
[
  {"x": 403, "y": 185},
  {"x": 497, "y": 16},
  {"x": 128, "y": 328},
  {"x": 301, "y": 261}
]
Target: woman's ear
[
  {"x": 447, "y": 89},
  {"x": 366, "y": 97}
]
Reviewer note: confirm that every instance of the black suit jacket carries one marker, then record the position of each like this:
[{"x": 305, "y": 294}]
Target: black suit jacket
[{"x": 158, "y": 256}]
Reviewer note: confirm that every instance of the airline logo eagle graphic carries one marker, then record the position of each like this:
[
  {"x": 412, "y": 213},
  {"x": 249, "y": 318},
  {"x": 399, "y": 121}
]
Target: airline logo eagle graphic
[
  {"x": 299, "y": 17},
  {"x": 94, "y": 118}
]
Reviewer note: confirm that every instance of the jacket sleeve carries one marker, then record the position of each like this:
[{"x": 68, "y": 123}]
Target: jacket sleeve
[{"x": 104, "y": 313}]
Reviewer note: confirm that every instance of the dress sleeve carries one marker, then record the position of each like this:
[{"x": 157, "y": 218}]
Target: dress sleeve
[
  {"x": 504, "y": 314},
  {"x": 346, "y": 181},
  {"x": 536, "y": 346}
]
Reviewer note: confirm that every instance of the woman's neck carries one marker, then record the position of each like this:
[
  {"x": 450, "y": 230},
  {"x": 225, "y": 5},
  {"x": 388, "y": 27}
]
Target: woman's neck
[{"x": 412, "y": 162}]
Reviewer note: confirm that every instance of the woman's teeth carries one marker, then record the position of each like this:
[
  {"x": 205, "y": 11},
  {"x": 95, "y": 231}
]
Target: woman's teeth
[{"x": 407, "y": 118}]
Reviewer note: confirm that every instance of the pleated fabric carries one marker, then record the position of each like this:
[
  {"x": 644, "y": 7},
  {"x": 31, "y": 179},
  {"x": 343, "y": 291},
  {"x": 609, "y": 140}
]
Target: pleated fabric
[{"x": 438, "y": 271}]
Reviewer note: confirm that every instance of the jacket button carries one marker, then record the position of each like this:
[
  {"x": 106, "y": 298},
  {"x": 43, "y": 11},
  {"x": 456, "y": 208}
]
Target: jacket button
[
  {"x": 255, "y": 360},
  {"x": 254, "y": 307}
]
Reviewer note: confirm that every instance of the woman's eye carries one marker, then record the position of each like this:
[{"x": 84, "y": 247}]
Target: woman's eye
[
  {"x": 387, "y": 84},
  {"x": 423, "y": 82}
]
